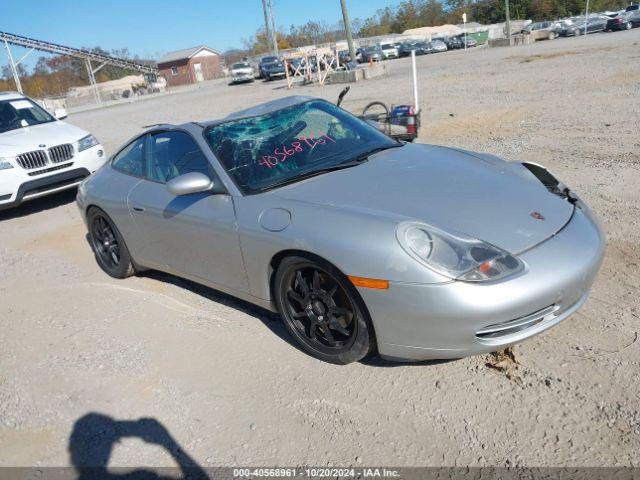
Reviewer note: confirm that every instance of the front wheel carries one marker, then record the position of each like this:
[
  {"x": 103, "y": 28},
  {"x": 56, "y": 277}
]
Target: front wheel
[
  {"x": 322, "y": 310},
  {"x": 108, "y": 245},
  {"x": 628, "y": 25}
]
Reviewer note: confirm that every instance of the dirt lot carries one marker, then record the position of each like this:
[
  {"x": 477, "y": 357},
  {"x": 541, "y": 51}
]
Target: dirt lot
[{"x": 222, "y": 377}]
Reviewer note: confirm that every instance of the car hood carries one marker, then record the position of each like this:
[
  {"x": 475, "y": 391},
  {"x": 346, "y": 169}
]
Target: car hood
[
  {"x": 475, "y": 194},
  {"x": 15, "y": 142}
]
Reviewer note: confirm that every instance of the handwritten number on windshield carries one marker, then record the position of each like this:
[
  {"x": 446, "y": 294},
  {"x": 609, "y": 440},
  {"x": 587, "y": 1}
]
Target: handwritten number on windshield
[{"x": 281, "y": 154}]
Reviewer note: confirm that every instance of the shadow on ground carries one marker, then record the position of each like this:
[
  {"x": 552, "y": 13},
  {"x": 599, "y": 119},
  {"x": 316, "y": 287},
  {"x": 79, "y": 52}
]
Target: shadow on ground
[
  {"x": 94, "y": 435},
  {"x": 38, "y": 205}
]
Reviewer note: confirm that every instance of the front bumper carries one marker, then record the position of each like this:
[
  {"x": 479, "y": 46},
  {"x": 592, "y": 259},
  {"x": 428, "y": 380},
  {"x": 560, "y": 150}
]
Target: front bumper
[
  {"x": 418, "y": 321},
  {"x": 17, "y": 186},
  {"x": 242, "y": 78}
]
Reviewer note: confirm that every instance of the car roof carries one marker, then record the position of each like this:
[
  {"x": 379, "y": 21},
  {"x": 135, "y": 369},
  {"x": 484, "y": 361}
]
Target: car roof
[
  {"x": 262, "y": 109},
  {"x": 10, "y": 96}
]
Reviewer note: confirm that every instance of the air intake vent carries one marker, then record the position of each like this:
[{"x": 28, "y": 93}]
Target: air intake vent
[{"x": 519, "y": 324}]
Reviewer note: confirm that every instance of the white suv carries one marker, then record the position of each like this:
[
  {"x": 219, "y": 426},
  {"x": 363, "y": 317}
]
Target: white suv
[{"x": 39, "y": 154}]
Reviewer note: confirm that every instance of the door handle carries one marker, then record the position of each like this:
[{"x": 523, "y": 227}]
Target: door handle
[{"x": 138, "y": 208}]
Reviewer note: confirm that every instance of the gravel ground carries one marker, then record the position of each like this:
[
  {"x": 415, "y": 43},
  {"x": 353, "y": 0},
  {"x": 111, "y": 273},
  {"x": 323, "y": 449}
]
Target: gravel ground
[{"x": 221, "y": 375}]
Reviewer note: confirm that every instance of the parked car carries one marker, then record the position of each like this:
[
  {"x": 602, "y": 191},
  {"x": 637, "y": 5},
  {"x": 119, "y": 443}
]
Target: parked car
[
  {"x": 404, "y": 49},
  {"x": 421, "y": 48},
  {"x": 452, "y": 43},
  {"x": 355, "y": 239},
  {"x": 560, "y": 24},
  {"x": 468, "y": 39},
  {"x": 438, "y": 46},
  {"x": 294, "y": 63},
  {"x": 344, "y": 57},
  {"x": 389, "y": 51},
  {"x": 266, "y": 61},
  {"x": 273, "y": 70},
  {"x": 40, "y": 154},
  {"x": 541, "y": 30},
  {"x": 627, "y": 20},
  {"x": 372, "y": 53},
  {"x": 595, "y": 23},
  {"x": 242, "y": 72}
]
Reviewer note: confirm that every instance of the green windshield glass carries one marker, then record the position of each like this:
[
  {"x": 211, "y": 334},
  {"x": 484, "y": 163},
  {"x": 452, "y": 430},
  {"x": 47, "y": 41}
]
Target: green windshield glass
[{"x": 263, "y": 151}]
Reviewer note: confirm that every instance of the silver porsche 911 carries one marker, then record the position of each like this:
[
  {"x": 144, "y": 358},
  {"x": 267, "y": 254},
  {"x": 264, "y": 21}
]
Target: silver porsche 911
[{"x": 361, "y": 243}]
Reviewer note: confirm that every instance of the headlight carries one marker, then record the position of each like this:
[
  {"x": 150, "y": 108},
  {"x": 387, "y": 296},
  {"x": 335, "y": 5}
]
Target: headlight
[
  {"x": 5, "y": 164},
  {"x": 455, "y": 256},
  {"x": 87, "y": 142}
]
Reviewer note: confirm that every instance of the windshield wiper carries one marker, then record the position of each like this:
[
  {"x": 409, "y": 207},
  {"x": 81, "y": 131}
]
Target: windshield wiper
[
  {"x": 352, "y": 162},
  {"x": 365, "y": 156}
]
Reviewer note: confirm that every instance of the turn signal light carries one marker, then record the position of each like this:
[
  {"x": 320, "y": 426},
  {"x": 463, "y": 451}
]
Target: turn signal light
[{"x": 369, "y": 282}]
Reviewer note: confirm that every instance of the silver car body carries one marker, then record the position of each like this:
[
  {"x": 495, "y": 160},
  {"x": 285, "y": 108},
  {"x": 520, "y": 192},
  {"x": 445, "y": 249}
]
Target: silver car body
[{"x": 231, "y": 242}]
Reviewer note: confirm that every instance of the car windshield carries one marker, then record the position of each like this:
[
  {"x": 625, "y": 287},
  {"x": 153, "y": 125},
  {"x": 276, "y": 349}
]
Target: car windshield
[
  {"x": 20, "y": 113},
  {"x": 371, "y": 49},
  {"x": 280, "y": 147},
  {"x": 240, "y": 65},
  {"x": 387, "y": 47},
  {"x": 269, "y": 59}
]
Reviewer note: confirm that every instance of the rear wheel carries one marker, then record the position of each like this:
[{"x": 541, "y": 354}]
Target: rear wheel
[
  {"x": 322, "y": 310},
  {"x": 628, "y": 25},
  {"x": 108, "y": 245}
]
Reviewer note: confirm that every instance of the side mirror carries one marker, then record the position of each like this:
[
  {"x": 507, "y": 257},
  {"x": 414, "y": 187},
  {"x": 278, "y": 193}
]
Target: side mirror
[
  {"x": 194, "y": 182},
  {"x": 60, "y": 113}
]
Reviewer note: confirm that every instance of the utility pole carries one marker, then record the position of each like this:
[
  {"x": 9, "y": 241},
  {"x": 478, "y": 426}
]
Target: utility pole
[
  {"x": 586, "y": 19},
  {"x": 347, "y": 30},
  {"x": 267, "y": 26},
  {"x": 274, "y": 34},
  {"x": 507, "y": 23}
]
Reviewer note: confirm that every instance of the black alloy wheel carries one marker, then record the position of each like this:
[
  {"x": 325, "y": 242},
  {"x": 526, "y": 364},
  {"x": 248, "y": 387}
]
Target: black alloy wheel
[
  {"x": 108, "y": 245},
  {"x": 322, "y": 310}
]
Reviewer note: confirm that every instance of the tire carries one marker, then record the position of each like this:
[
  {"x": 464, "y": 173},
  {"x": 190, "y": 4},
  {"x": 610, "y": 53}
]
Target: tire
[
  {"x": 628, "y": 25},
  {"x": 108, "y": 245},
  {"x": 552, "y": 35},
  {"x": 322, "y": 310},
  {"x": 576, "y": 33}
]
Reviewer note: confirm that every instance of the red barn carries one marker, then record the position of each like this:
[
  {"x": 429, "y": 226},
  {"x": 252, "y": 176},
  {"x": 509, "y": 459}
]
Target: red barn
[{"x": 190, "y": 65}]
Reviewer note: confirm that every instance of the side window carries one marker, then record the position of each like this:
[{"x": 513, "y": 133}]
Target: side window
[
  {"x": 131, "y": 159},
  {"x": 175, "y": 153}
]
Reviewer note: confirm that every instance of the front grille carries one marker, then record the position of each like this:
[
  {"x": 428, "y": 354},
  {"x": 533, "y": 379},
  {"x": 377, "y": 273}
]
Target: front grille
[
  {"x": 61, "y": 153},
  {"x": 514, "y": 326},
  {"x": 31, "y": 160},
  {"x": 50, "y": 169}
]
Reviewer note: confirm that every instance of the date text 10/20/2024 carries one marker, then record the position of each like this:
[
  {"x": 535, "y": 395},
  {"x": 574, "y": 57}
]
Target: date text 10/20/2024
[{"x": 317, "y": 472}]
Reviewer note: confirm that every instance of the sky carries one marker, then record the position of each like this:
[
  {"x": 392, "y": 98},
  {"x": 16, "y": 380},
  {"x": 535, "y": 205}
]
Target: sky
[{"x": 151, "y": 28}]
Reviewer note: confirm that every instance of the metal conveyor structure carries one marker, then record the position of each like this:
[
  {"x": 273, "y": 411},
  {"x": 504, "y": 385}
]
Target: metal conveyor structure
[{"x": 87, "y": 56}]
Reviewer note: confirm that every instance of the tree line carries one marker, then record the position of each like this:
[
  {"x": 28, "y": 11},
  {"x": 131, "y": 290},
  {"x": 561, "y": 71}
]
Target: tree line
[{"x": 420, "y": 13}]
